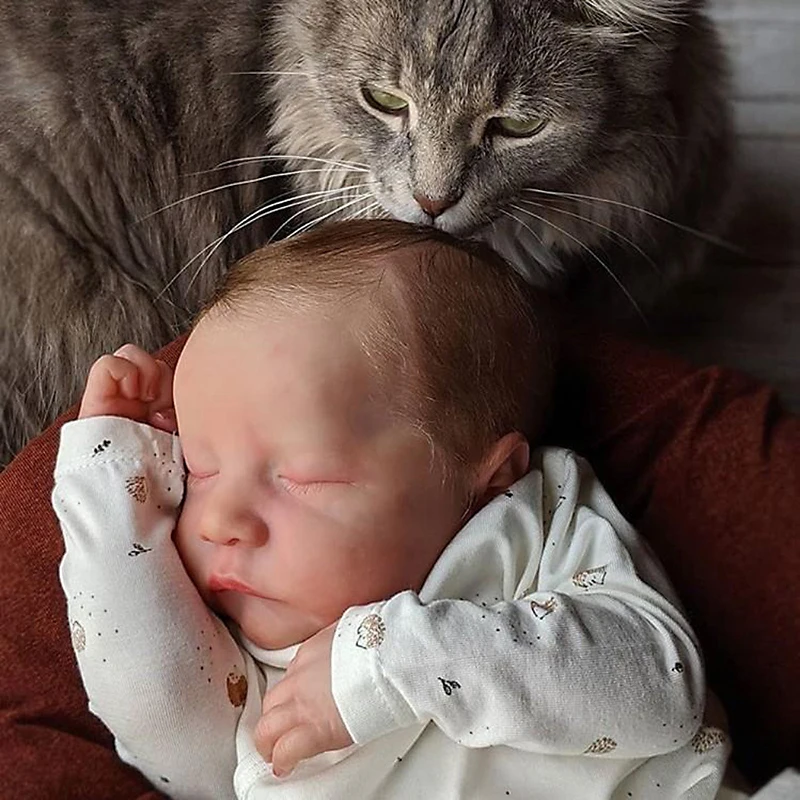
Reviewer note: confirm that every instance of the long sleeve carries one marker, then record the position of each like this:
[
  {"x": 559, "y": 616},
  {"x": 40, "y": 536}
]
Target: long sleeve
[
  {"x": 160, "y": 670},
  {"x": 574, "y": 645}
]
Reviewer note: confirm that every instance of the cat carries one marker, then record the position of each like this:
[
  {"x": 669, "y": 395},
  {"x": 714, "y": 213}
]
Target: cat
[{"x": 145, "y": 145}]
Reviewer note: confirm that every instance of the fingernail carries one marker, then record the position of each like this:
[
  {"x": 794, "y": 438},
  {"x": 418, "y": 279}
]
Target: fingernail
[
  {"x": 282, "y": 773},
  {"x": 167, "y": 417}
]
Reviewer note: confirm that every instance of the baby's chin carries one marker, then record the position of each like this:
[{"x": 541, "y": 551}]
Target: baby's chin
[
  {"x": 274, "y": 640},
  {"x": 274, "y": 628}
]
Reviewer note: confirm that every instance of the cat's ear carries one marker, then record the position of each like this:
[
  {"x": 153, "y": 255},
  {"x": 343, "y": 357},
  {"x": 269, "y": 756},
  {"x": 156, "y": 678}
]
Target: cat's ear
[{"x": 641, "y": 34}]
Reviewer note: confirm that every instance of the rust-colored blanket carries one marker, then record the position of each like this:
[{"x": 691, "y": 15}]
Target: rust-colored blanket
[{"x": 704, "y": 462}]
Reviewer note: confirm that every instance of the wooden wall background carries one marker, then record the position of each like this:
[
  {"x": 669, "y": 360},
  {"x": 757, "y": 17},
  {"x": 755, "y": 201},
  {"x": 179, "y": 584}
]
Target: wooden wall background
[{"x": 745, "y": 311}]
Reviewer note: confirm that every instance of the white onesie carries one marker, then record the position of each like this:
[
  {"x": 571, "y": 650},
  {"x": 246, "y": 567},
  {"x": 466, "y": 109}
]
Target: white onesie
[{"x": 546, "y": 656}]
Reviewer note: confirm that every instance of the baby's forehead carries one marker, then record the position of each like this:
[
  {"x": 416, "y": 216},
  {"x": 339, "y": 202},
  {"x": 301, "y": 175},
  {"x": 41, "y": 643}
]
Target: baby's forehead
[
  {"x": 383, "y": 303},
  {"x": 259, "y": 334}
]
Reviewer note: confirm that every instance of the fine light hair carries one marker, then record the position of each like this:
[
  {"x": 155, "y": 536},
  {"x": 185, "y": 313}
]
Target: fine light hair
[{"x": 462, "y": 345}]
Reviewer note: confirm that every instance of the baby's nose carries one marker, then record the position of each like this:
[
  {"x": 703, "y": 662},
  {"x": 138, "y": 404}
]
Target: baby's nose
[{"x": 229, "y": 530}]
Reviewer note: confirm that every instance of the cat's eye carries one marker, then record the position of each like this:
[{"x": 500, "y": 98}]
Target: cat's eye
[
  {"x": 517, "y": 128},
  {"x": 384, "y": 101}
]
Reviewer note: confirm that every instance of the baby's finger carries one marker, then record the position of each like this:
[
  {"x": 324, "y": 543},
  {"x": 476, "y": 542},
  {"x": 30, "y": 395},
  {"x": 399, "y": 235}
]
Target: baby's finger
[
  {"x": 161, "y": 413},
  {"x": 164, "y": 420},
  {"x": 292, "y": 748},
  {"x": 163, "y": 399},
  {"x": 104, "y": 384},
  {"x": 279, "y": 694},
  {"x": 272, "y": 725},
  {"x": 149, "y": 380}
]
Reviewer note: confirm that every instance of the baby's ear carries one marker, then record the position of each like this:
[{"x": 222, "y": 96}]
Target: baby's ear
[{"x": 503, "y": 465}]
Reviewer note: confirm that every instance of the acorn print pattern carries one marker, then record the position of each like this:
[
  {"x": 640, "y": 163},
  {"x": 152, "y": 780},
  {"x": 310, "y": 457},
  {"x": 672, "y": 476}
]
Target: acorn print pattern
[
  {"x": 137, "y": 488},
  {"x": 601, "y": 746},
  {"x": 707, "y": 738},
  {"x": 237, "y": 689},
  {"x": 371, "y": 632},
  {"x": 78, "y": 635},
  {"x": 590, "y": 577}
]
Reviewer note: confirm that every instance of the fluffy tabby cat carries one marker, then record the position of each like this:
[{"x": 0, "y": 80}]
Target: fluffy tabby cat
[{"x": 136, "y": 133}]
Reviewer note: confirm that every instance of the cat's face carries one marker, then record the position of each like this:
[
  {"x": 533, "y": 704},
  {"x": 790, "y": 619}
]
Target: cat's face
[{"x": 454, "y": 109}]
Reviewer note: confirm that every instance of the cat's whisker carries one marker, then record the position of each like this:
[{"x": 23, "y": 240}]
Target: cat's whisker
[
  {"x": 259, "y": 213},
  {"x": 356, "y": 166},
  {"x": 591, "y": 252},
  {"x": 233, "y": 185},
  {"x": 707, "y": 237},
  {"x": 321, "y": 219},
  {"x": 271, "y": 72},
  {"x": 315, "y": 205},
  {"x": 667, "y": 136},
  {"x": 307, "y": 200},
  {"x": 524, "y": 224},
  {"x": 600, "y": 225},
  {"x": 361, "y": 213},
  {"x": 295, "y": 172}
]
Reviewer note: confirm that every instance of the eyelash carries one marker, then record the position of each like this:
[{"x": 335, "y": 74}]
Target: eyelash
[
  {"x": 194, "y": 477},
  {"x": 300, "y": 488},
  {"x": 292, "y": 486}
]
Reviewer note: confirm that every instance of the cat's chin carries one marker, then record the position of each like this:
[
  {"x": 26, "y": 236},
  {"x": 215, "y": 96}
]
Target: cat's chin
[
  {"x": 452, "y": 223},
  {"x": 455, "y": 221},
  {"x": 515, "y": 242},
  {"x": 403, "y": 212}
]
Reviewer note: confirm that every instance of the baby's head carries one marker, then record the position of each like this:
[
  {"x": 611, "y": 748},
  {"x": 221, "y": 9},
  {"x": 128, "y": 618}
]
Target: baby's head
[
  {"x": 345, "y": 403},
  {"x": 459, "y": 345}
]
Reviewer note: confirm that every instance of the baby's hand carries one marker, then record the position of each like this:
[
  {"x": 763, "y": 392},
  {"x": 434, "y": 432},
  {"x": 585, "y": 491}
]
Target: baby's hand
[
  {"x": 300, "y": 718},
  {"x": 132, "y": 384}
]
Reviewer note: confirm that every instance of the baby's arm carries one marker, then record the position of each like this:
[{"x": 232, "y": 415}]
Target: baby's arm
[
  {"x": 160, "y": 670},
  {"x": 585, "y": 657}
]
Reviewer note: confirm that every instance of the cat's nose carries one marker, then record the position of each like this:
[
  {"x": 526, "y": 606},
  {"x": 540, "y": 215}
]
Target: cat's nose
[{"x": 434, "y": 207}]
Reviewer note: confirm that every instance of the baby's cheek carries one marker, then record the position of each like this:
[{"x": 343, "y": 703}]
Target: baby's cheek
[
  {"x": 187, "y": 541},
  {"x": 324, "y": 583}
]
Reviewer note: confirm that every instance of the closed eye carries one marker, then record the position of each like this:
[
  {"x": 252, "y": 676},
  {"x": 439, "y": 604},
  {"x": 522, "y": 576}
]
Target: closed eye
[
  {"x": 295, "y": 487},
  {"x": 309, "y": 487},
  {"x": 193, "y": 477}
]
